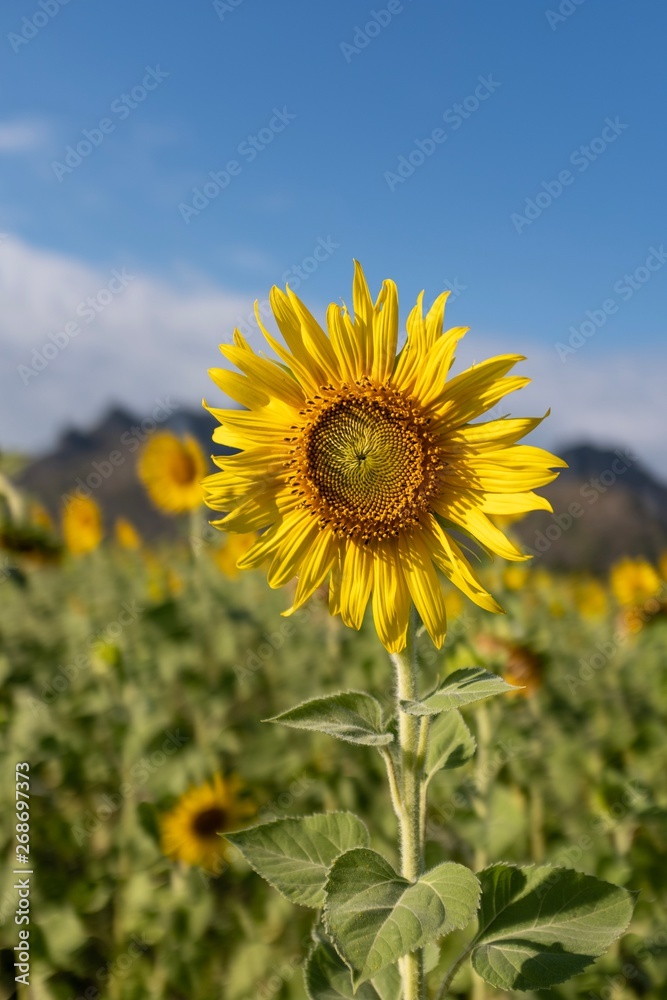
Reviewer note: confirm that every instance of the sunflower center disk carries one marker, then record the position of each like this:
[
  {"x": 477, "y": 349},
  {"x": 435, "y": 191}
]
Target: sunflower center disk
[
  {"x": 365, "y": 462},
  {"x": 183, "y": 468},
  {"x": 209, "y": 822}
]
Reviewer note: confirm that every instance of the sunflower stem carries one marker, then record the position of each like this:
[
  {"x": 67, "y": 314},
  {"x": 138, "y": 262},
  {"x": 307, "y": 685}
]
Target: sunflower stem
[{"x": 412, "y": 753}]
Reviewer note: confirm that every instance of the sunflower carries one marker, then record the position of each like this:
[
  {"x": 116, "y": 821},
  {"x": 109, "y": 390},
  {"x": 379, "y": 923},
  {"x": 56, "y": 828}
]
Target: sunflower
[
  {"x": 357, "y": 463},
  {"x": 191, "y": 831},
  {"x": 590, "y": 597},
  {"x": 82, "y": 525},
  {"x": 634, "y": 581},
  {"x": 227, "y": 557},
  {"x": 171, "y": 470},
  {"x": 127, "y": 535},
  {"x": 516, "y": 577}
]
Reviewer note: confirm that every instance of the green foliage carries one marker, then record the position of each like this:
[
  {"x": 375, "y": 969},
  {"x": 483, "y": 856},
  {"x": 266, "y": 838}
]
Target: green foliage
[
  {"x": 575, "y": 773},
  {"x": 294, "y": 855},
  {"x": 463, "y": 687},
  {"x": 375, "y": 916},
  {"x": 542, "y": 925},
  {"x": 350, "y": 715},
  {"x": 451, "y": 744},
  {"x": 329, "y": 978}
]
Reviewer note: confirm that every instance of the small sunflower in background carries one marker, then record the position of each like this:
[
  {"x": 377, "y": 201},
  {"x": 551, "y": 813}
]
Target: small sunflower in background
[
  {"x": 636, "y": 585},
  {"x": 524, "y": 668},
  {"x": 171, "y": 469},
  {"x": 590, "y": 598},
  {"x": 515, "y": 577},
  {"x": 361, "y": 459},
  {"x": 518, "y": 663},
  {"x": 227, "y": 556},
  {"x": 191, "y": 831},
  {"x": 82, "y": 525},
  {"x": 127, "y": 535},
  {"x": 634, "y": 581}
]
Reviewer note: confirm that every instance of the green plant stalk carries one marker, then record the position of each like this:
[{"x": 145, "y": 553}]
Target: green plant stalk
[{"x": 410, "y": 815}]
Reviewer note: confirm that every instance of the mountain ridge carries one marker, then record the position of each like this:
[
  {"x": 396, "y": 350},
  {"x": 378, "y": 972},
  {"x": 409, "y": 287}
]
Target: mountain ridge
[{"x": 607, "y": 504}]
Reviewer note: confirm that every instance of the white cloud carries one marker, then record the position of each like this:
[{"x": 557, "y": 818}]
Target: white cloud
[
  {"x": 155, "y": 339},
  {"x": 150, "y": 340},
  {"x": 22, "y": 136},
  {"x": 609, "y": 399}
]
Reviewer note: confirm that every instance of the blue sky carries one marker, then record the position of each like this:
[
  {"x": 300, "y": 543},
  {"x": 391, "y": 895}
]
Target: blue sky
[{"x": 339, "y": 95}]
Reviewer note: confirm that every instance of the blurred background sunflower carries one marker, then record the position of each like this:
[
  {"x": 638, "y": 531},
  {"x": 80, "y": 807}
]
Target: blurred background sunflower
[
  {"x": 171, "y": 469},
  {"x": 191, "y": 831},
  {"x": 82, "y": 525}
]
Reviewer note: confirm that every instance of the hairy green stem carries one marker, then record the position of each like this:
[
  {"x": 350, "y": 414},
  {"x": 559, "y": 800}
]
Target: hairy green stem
[{"x": 412, "y": 753}]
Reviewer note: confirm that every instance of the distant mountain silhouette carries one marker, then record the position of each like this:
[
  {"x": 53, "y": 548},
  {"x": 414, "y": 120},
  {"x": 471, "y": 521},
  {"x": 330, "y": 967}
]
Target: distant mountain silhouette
[
  {"x": 606, "y": 504},
  {"x": 102, "y": 463}
]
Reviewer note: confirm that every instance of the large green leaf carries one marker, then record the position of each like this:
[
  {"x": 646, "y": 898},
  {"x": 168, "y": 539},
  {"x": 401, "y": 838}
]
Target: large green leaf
[
  {"x": 540, "y": 926},
  {"x": 294, "y": 855},
  {"x": 349, "y": 715},
  {"x": 329, "y": 978},
  {"x": 463, "y": 687},
  {"x": 375, "y": 916},
  {"x": 450, "y": 743}
]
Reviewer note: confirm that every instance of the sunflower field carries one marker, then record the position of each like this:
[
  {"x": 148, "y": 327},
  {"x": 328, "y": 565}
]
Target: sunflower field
[{"x": 134, "y": 682}]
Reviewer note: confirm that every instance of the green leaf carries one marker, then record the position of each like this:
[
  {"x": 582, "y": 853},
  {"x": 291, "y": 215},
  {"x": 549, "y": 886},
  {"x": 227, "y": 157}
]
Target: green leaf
[
  {"x": 450, "y": 744},
  {"x": 463, "y": 687},
  {"x": 294, "y": 855},
  {"x": 349, "y": 715},
  {"x": 375, "y": 916},
  {"x": 540, "y": 926},
  {"x": 329, "y": 978}
]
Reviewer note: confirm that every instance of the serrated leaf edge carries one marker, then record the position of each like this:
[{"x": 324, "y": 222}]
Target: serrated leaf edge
[
  {"x": 229, "y": 835},
  {"x": 359, "y": 982},
  {"x": 559, "y": 868},
  {"x": 279, "y": 719}
]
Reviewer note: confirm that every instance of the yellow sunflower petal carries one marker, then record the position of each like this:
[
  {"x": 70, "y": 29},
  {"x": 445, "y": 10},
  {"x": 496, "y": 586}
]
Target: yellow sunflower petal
[
  {"x": 424, "y": 586},
  {"x": 391, "y": 597},
  {"x": 356, "y": 585},
  {"x": 385, "y": 332}
]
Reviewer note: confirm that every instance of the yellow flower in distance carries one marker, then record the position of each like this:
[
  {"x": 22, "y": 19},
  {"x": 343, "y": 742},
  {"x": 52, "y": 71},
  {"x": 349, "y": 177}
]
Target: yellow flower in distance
[
  {"x": 229, "y": 554},
  {"x": 590, "y": 598},
  {"x": 191, "y": 831},
  {"x": 171, "y": 470},
  {"x": 127, "y": 535},
  {"x": 357, "y": 461},
  {"x": 82, "y": 525},
  {"x": 516, "y": 577},
  {"x": 634, "y": 581}
]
